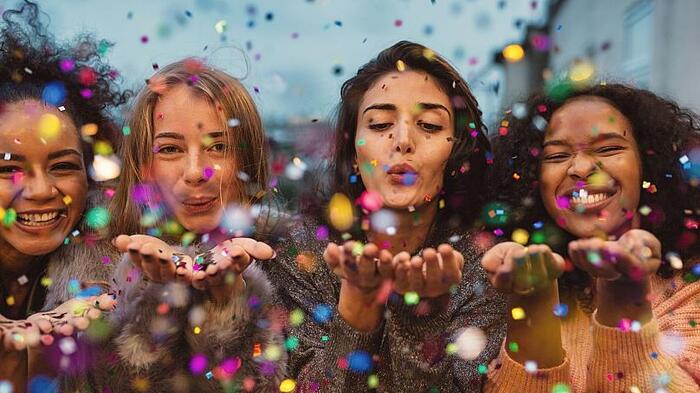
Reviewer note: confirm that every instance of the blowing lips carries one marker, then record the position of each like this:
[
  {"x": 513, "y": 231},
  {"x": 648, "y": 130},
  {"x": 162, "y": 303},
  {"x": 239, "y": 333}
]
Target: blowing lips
[
  {"x": 198, "y": 205},
  {"x": 403, "y": 174},
  {"x": 39, "y": 220}
]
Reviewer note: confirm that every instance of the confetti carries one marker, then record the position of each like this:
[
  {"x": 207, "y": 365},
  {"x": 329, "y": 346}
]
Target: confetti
[
  {"x": 54, "y": 93},
  {"x": 49, "y": 126},
  {"x": 288, "y": 385},
  {"x": 198, "y": 363},
  {"x": 220, "y": 26},
  {"x": 340, "y": 212},
  {"x": 411, "y": 298},
  {"x": 517, "y": 313},
  {"x": 470, "y": 342},
  {"x": 97, "y": 217},
  {"x": 513, "y": 53}
]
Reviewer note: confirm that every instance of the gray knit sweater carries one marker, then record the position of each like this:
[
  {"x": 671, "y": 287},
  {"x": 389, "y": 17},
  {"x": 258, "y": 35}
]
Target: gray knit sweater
[{"x": 408, "y": 352}]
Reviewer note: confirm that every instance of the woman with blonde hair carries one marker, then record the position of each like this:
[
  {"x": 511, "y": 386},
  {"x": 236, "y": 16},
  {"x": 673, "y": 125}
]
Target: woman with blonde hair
[{"x": 194, "y": 169}]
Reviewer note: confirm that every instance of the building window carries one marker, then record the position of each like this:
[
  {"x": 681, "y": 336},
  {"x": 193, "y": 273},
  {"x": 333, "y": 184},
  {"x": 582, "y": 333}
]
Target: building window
[{"x": 639, "y": 38}]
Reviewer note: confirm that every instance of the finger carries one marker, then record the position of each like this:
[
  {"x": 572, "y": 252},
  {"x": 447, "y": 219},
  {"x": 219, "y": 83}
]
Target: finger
[
  {"x": 183, "y": 272},
  {"x": 166, "y": 265},
  {"x": 433, "y": 272},
  {"x": 150, "y": 263},
  {"x": 239, "y": 258},
  {"x": 122, "y": 242},
  {"x": 416, "y": 277},
  {"x": 213, "y": 277},
  {"x": 133, "y": 249},
  {"x": 199, "y": 280},
  {"x": 367, "y": 266},
  {"x": 554, "y": 264},
  {"x": 401, "y": 284},
  {"x": 452, "y": 264},
  {"x": 106, "y": 302},
  {"x": 503, "y": 277},
  {"x": 257, "y": 250},
  {"x": 386, "y": 266},
  {"x": 348, "y": 262},
  {"x": 625, "y": 261},
  {"x": 80, "y": 323}
]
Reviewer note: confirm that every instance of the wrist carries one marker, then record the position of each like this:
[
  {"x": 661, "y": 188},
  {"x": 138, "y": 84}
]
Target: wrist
[
  {"x": 359, "y": 308},
  {"x": 622, "y": 299}
]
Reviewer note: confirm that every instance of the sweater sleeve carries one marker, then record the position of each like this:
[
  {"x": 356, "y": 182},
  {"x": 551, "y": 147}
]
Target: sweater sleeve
[
  {"x": 507, "y": 375},
  {"x": 440, "y": 343},
  {"x": 326, "y": 354},
  {"x": 663, "y": 353}
]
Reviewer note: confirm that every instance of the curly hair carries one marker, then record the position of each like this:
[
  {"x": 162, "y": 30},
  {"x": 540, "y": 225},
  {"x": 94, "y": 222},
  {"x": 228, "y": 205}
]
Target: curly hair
[
  {"x": 31, "y": 60},
  {"x": 664, "y": 133},
  {"x": 466, "y": 166}
]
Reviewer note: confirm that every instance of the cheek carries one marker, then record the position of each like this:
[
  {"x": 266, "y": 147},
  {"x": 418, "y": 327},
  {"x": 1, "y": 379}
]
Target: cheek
[{"x": 164, "y": 174}]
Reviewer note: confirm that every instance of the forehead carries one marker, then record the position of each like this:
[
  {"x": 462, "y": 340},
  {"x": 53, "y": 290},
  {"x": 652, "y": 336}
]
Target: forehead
[
  {"x": 181, "y": 109},
  {"x": 583, "y": 118},
  {"x": 407, "y": 87},
  {"x": 31, "y": 127}
]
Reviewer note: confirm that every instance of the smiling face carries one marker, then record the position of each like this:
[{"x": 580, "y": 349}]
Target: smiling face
[
  {"x": 591, "y": 169},
  {"x": 404, "y": 138},
  {"x": 43, "y": 180},
  {"x": 190, "y": 165}
]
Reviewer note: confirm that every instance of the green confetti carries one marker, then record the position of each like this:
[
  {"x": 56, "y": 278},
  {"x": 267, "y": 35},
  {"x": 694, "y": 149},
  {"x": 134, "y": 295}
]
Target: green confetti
[
  {"x": 513, "y": 346},
  {"x": 296, "y": 317},
  {"x": 411, "y": 298},
  {"x": 482, "y": 369},
  {"x": 561, "y": 388},
  {"x": 97, "y": 217},
  {"x": 10, "y": 217},
  {"x": 373, "y": 381},
  {"x": 126, "y": 130},
  {"x": 291, "y": 343},
  {"x": 361, "y": 142}
]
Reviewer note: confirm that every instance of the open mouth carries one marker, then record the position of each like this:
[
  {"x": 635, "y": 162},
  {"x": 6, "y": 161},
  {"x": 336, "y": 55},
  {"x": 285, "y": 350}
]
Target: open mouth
[{"x": 39, "y": 220}]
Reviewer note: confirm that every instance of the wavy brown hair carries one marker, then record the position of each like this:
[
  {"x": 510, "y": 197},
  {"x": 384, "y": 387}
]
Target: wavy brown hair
[{"x": 466, "y": 165}]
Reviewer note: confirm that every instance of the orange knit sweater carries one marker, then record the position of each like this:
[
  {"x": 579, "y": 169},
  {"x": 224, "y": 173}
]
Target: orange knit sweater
[{"x": 663, "y": 354}]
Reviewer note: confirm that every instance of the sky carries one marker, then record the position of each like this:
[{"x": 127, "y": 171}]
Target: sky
[{"x": 295, "y": 53}]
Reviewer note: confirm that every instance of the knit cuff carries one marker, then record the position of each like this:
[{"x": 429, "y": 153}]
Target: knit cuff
[{"x": 507, "y": 375}]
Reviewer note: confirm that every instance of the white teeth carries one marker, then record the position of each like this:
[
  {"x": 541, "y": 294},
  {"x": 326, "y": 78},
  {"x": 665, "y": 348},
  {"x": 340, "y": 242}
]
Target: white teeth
[
  {"x": 588, "y": 199},
  {"x": 37, "y": 219}
]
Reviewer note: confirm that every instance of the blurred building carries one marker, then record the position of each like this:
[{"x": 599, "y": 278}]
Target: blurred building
[{"x": 652, "y": 44}]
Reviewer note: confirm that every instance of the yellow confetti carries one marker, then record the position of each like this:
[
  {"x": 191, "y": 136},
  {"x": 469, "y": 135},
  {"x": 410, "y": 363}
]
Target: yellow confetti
[
  {"x": 46, "y": 282},
  {"x": 513, "y": 53},
  {"x": 10, "y": 300},
  {"x": 2, "y": 214},
  {"x": 400, "y": 65},
  {"x": 103, "y": 148},
  {"x": 49, "y": 126},
  {"x": 288, "y": 385},
  {"x": 428, "y": 54},
  {"x": 520, "y": 236},
  {"x": 197, "y": 330},
  {"x": 340, "y": 212},
  {"x": 599, "y": 178},
  {"x": 581, "y": 71},
  {"x": 517, "y": 313},
  {"x": 67, "y": 200}
]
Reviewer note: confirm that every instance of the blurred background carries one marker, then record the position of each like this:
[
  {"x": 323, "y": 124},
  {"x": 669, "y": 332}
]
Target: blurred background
[{"x": 293, "y": 55}]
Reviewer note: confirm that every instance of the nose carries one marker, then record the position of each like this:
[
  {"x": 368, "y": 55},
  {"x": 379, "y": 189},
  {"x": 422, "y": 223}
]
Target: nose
[
  {"x": 582, "y": 166},
  {"x": 38, "y": 186},
  {"x": 194, "y": 172},
  {"x": 404, "y": 142}
]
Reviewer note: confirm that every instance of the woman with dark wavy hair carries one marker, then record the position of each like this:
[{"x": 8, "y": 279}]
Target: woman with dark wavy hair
[
  {"x": 403, "y": 304},
  {"x": 604, "y": 174},
  {"x": 54, "y": 103}
]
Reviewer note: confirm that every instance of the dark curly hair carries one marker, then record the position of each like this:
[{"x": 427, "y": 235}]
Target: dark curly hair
[
  {"x": 30, "y": 59},
  {"x": 664, "y": 133},
  {"x": 466, "y": 166}
]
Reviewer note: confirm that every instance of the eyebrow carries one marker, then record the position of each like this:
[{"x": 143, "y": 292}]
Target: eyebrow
[
  {"x": 424, "y": 105},
  {"x": 64, "y": 152},
  {"x": 175, "y": 135},
  {"x": 601, "y": 137},
  {"x": 51, "y": 156}
]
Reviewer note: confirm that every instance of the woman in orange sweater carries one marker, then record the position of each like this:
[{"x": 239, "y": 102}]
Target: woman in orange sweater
[{"x": 615, "y": 168}]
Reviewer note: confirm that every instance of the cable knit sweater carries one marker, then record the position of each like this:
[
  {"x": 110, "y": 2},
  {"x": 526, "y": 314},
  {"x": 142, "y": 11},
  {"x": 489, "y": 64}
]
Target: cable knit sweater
[
  {"x": 663, "y": 354},
  {"x": 408, "y": 352}
]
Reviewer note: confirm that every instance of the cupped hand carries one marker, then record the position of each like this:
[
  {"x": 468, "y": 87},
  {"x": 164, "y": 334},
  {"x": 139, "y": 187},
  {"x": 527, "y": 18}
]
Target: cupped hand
[
  {"x": 362, "y": 267},
  {"x": 158, "y": 261},
  {"x": 430, "y": 274}
]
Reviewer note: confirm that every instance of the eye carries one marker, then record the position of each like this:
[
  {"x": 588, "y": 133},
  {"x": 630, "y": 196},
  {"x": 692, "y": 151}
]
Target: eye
[
  {"x": 66, "y": 166},
  {"x": 169, "y": 149},
  {"x": 609, "y": 150},
  {"x": 429, "y": 126},
  {"x": 556, "y": 157},
  {"x": 218, "y": 147},
  {"x": 9, "y": 169},
  {"x": 380, "y": 126}
]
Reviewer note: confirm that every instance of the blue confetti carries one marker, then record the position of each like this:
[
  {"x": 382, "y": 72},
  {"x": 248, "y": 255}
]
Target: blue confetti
[
  {"x": 561, "y": 310},
  {"x": 54, "y": 93},
  {"x": 359, "y": 361},
  {"x": 322, "y": 313}
]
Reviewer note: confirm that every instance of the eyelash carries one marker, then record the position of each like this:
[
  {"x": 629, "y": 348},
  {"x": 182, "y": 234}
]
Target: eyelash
[
  {"x": 602, "y": 150},
  {"x": 426, "y": 126},
  {"x": 66, "y": 166},
  {"x": 169, "y": 149},
  {"x": 9, "y": 169}
]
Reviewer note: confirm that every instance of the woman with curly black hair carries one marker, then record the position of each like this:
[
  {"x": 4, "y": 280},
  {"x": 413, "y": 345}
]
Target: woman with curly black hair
[
  {"x": 609, "y": 166},
  {"x": 54, "y": 122}
]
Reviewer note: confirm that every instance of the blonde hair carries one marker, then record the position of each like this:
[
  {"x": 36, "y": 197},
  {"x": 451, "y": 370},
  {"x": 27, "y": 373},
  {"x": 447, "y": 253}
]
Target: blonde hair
[{"x": 231, "y": 100}]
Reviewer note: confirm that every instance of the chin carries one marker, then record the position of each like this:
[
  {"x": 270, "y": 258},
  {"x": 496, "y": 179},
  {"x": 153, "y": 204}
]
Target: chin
[{"x": 36, "y": 247}]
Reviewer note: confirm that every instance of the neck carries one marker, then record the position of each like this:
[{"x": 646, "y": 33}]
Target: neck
[
  {"x": 412, "y": 229},
  {"x": 626, "y": 226}
]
